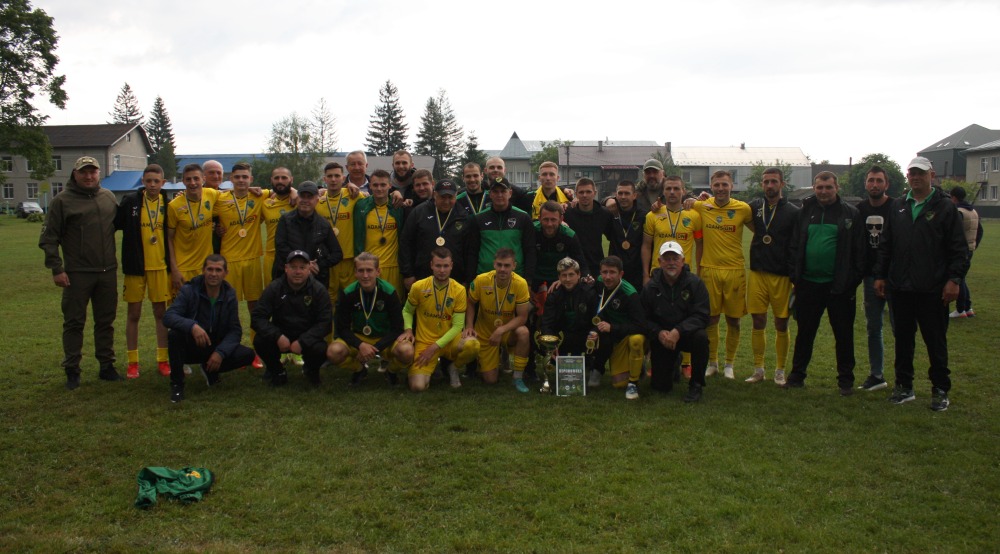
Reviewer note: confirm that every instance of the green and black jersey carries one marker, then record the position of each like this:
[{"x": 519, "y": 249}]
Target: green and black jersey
[{"x": 380, "y": 310}]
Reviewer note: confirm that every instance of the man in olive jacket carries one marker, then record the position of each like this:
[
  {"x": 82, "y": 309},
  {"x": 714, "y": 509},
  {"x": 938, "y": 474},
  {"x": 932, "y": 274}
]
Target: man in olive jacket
[{"x": 81, "y": 222}]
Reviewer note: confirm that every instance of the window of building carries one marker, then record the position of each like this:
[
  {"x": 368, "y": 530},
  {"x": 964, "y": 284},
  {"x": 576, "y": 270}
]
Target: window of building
[
  {"x": 8, "y": 191},
  {"x": 993, "y": 192},
  {"x": 686, "y": 175},
  {"x": 6, "y": 164},
  {"x": 32, "y": 191},
  {"x": 57, "y": 188},
  {"x": 983, "y": 166},
  {"x": 984, "y": 192},
  {"x": 57, "y": 162},
  {"x": 117, "y": 162},
  {"x": 523, "y": 177},
  {"x": 996, "y": 163}
]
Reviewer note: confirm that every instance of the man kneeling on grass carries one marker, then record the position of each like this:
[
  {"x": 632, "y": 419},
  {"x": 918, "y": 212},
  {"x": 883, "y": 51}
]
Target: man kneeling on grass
[
  {"x": 436, "y": 307},
  {"x": 204, "y": 327},
  {"x": 294, "y": 315}
]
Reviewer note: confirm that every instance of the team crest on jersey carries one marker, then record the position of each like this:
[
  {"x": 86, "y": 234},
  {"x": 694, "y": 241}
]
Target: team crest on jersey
[
  {"x": 510, "y": 297},
  {"x": 458, "y": 225},
  {"x": 686, "y": 221},
  {"x": 616, "y": 303},
  {"x": 560, "y": 247},
  {"x": 208, "y": 205},
  {"x": 449, "y": 302},
  {"x": 731, "y": 213},
  {"x": 250, "y": 203},
  {"x": 928, "y": 216},
  {"x": 512, "y": 222},
  {"x": 380, "y": 305},
  {"x": 344, "y": 201},
  {"x": 685, "y": 294},
  {"x": 850, "y": 222},
  {"x": 307, "y": 299},
  {"x": 582, "y": 308}
]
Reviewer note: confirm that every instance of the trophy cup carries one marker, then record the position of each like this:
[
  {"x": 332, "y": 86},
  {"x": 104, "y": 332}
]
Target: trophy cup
[{"x": 547, "y": 345}]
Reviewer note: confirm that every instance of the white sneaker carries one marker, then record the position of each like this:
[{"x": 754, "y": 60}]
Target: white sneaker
[
  {"x": 728, "y": 371},
  {"x": 453, "y": 376},
  {"x": 595, "y": 379},
  {"x": 757, "y": 377},
  {"x": 631, "y": 392},
  {"x": 711, "y": 369},
  {"x": 187, "y": 370},
  {"x": 956, "y": 314},
  {"x": 779, "y": 377}
]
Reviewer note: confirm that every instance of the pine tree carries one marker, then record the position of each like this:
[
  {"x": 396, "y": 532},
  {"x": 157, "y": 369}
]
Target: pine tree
[
  {"x": 323, "y": 127},
  {"x": 126, "y": 109},
  {"x": 440, "y": 136},
  {"x": 472, "y": 153},
  {"x": 387, "y": 129},
  {"x": 161, "y": 136}
]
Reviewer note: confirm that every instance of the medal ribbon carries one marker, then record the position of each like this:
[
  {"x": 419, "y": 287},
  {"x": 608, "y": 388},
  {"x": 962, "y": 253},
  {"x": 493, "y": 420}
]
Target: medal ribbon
[
  {"x": 602, "y": 303},
  {"x": 768, "y": 220},
  {"x": 194, "y": 221},
  {"x": 368, "y": 312},
  {"x": 242, "y": 216},
  {"x": 497, "y": 297},
  {"x": 440, "y": 307},
  {"x": 149, "y": 214},
  {"x": 441, "y": 225},
  {"x": 673, "y": 226},
  {"x": 625, "y": 228},
  {"x": 382, "y": 223},
  {"x": 334, "y": 215}
]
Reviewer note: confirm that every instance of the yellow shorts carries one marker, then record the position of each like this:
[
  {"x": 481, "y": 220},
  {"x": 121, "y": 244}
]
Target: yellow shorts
[
  {"x": 245, "y": 276},
  {"x": 727, "y": 291},
  {"x": 156, "y": 283},
  {"x": 395, "y": 278},
  {"x": 341, "y": 275},
  {"x": 188, "y": 274},
  {"x": 353, "y": 364},
  {"x": 489, "y": 355},
  {"x": 626, "y": 360},
  {"x": 767, "y": 289},
  {"x": 460, "y": 351},
  {"x": 268, "y": 266}
]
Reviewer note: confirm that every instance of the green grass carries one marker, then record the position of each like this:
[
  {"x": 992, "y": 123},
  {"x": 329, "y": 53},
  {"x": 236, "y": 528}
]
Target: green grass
[{"x": 751, "y": 468}]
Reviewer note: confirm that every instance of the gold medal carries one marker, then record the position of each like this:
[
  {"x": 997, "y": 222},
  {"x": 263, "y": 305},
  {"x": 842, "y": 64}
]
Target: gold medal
[
  {"x": 767, "y": 239},
  {"x": 626, "y": 245},
  {"x": 497, "y": 322},
  {"x": 242, "y": 233},
  {"x": 596, "y": 320},
  {"x": 152, "y": 239},
  {"x": 336, "y": 232},
  {"x": 439, "y": 241},
  {"x": 366, "y": 330}
]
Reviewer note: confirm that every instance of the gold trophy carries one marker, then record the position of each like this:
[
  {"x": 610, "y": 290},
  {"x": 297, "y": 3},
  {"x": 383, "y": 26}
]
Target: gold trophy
[{"x": 547, "y": 345}]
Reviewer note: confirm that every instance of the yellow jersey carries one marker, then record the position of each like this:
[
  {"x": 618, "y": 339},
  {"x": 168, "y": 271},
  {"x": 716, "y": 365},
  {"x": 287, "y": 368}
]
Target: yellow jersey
[
  {"x": 274, "y": 208},
  {"x": 684, "y": 227},
  {"x": 338, "y": 211},
  {"x": 496, "y": 303},
  {"x": 379, "y": 224},
  {"x": 192, "y": 226},
  {"x": 151, "y": 224},
  {"x": 435, "y": 308},
  {"x": 241, "y": 218},
  {"x": 722, "y": 231}
]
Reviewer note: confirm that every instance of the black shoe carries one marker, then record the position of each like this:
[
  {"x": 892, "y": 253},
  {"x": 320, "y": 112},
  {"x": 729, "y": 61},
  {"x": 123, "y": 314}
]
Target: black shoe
[
  {"x": 312, "y": 376},
  {"x": 939, "y": 400},
  {"x": 392, "y": 378},
  {"x": 279, "y": 379},
  {"x": 846, "y": 391},
  {"x": 211, "y": 377},
  {"x": 694, "y": 393},
  {"x": 793, "y": 384},
  {"x": 176, "y": 393},
  {"x": 108, "y": 373},
  {"x": 359, "y": 376},
  {"x": 72, "y": 380}
]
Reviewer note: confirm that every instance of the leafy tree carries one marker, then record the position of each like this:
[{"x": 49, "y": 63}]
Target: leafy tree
[
  {"x": 472, "y": 153},
  {"x": 756, "y": 177},
  {"x": 292, "y": 146},
  {"x": 387, "y": 129},
  {"x": 323, "y": 128},
  {"x": 853, "y": 184},
  {"x": 971, "y": 189},
  {"x": 27, "y": 67},
  {"x": 126, "y": 109},
  {"x": 548, "y": 153},
  {"x": 161, "y": 136},
  {"x": 440, "y": 136}
]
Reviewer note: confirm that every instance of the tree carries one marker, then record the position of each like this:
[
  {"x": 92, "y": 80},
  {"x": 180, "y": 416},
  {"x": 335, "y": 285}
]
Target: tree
[
  {"x": 292, "y": 146},
  {"x": 853, "y": 184},
  {"x": 387, "y": 129},
  {"x": 161, "y": 136},
  {"x": 669, "y": 168},
  {"x": 440, "y": 136},
  {"x": 27, "y": 67},
  {"x": 472, "y": 153},
  {"x": 971, "y": 189},
  {"x": 126, "y": 109},
  {"x": 323, "y": 127},
  {"x": 548, "y": 153},
  {"x": 756, "y": 177}
]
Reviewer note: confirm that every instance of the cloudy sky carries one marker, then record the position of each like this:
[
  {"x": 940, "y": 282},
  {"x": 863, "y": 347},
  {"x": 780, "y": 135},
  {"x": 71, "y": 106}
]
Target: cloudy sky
[{"x": 838, "y": 79}]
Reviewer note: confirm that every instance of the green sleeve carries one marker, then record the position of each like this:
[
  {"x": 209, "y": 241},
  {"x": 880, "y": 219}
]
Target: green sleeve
[
  {"x": 408, "y": 310},
  {"x": 457, "y": 324}
]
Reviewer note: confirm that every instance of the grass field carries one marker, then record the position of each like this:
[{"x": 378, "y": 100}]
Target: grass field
[{"x": 750, "y": 468}]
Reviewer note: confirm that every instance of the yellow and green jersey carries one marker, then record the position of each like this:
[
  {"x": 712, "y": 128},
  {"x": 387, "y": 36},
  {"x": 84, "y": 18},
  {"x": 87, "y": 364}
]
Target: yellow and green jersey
[
  {"x": 435, "y": 308},
  {"x": 495, "y": 302},
  {"x": 193, "y": 229},
  {"x": 722, "y": 232},
  {"x": 241, "y": 218}
]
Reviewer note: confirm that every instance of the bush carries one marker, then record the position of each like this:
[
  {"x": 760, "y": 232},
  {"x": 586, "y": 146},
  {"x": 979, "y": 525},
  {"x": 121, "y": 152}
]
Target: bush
[{"x": 36, "y": 218}]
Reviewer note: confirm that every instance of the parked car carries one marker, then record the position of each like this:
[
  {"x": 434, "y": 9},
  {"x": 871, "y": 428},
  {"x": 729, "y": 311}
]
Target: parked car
[{"x": 25, "y": 208}]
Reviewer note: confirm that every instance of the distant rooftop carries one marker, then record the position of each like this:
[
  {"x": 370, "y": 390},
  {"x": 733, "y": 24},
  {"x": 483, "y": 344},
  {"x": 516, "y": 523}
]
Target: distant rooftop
[{"x": 736, "y": 156}]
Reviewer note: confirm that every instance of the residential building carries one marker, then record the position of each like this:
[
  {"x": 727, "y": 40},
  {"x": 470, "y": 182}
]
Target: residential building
[
  {"x": 982, "y": 165},
  {"x": 698, "y": 163},
  {"x": 948, "y": 154}
]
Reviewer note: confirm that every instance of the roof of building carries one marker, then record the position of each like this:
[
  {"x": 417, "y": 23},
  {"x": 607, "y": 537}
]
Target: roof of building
[
  {"x": 995, "y": 145},
  {"x": 737, "y": 156},
  {"x": 228, "y": 160},
  {"x": 120, "y": 181},
  {"x": 604, "y": 156},
  {"x": 969, "y": 137},
  {"x": 90, "y": 136}
]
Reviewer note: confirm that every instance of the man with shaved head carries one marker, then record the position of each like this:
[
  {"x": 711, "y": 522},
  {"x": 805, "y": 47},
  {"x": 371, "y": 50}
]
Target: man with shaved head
[{"x": 213, "y": 180}]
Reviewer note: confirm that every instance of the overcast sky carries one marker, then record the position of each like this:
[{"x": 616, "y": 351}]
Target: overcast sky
[{"x": 838, "y": 79}]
